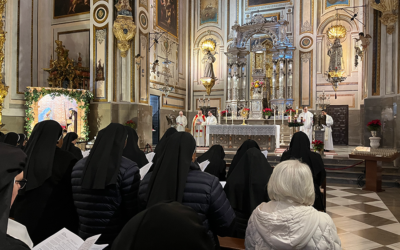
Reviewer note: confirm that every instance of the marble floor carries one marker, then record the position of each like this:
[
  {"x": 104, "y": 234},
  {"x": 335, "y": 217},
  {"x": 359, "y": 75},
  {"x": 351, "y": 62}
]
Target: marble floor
[{"x": 365, "y": 220}]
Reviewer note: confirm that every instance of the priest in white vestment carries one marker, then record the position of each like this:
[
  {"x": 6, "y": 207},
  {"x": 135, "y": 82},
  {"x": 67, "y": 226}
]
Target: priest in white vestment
[
  {"x": 328, "y": 145},
  {"x": 198, "y": 129},
  {"x": 211, "y": 120},
  {"x": 181, "y": 122},
  {"x": 307, "y": 118}
]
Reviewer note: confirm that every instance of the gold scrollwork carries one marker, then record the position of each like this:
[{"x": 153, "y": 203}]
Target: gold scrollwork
[
  {"x": 389, "y": 14},
  {"x": 124, "y": 27},
  {"x": 3, "y": 87}
]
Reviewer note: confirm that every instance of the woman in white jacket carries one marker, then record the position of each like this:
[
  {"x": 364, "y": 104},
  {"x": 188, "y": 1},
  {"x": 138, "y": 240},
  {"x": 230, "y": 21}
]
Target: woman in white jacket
[{"x": 289, "y": 221}]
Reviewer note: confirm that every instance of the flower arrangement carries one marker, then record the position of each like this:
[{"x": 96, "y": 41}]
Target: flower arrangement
[
  {"x": 64, "y": 128},
  {"x": 318, "y": 145},
  {"x": 131, "y": 124},
  {"x": 246, "y": 109},
  {"x": 295, "y": 124},
  {"x": 374, "y": 125},
  {"x": 224, "y": 113},
  {"x": 257, "y": 84},
  {"x": 267, "y": 112},
  {"x": 287, "y": 112}
]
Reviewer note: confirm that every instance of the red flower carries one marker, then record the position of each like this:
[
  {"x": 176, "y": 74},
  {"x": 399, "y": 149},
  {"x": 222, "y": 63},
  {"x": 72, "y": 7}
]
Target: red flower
[
  {"x": 374, "y": 125},
  {"x": 246, "y": 109}
]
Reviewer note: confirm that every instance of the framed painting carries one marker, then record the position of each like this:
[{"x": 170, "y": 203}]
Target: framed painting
[
  {"x": 167, "y": 16},
  {"x": 66, "y": 8},
  {"x": 255, "y": 3},
  {"x": 334, "y": 3},
  {"x": 209, "y": 11}
]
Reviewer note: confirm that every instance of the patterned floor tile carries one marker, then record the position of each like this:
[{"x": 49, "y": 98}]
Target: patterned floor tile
[
  {"x": 371, "y": 220},
  {"x": 366, "y": 208},
  {"x": 330, "y": 196},
  {"x": 333, "y": 215},
  {"x": 393, "y": 228},
  {"x": 371, "y": 195},
  {"x": 378, "y": 235},
  {"x": 362, "y": 198},
  {"x": 377, "y": 204},
  {"x": 385, "y": 214},
  {"x": 382, "y": 248},
  {"x": 350, "y": 225},
  {"x": 353, "y": 242},
  {"x": 340, "y": 193},
  {"x": 344, "y": 211},
  {"x": 395, "y": 246},
  {"x": 330, "y": 204},
  {"x": 342, "y": 201},
  {"x": 358, "y": 191},
  {"x": 339, "y": 187}
]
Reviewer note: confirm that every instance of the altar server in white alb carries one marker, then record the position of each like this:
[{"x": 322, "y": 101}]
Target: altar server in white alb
[
  {"x": 198, "y": 129},
  {"x": 328, "y": 145},
  {"x": 211, "y": 120},
  {"x": 307, "y": 118},
  {"x": 181, "y": 122}
]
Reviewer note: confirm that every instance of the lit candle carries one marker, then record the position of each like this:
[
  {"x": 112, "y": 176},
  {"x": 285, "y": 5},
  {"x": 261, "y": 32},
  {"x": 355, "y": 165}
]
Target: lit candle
[{"x": 274, "y": 116}]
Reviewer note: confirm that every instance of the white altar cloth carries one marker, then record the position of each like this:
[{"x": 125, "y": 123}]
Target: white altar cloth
[{"x": 246, "y": 130}]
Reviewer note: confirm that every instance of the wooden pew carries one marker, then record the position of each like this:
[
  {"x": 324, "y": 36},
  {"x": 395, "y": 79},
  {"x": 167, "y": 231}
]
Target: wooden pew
[{"x": 231, "y": 243}]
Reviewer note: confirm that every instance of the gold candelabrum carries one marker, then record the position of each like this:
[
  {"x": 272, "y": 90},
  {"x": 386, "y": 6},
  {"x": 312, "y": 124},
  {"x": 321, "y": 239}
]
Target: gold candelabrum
[{"x": 3, "y": 87}]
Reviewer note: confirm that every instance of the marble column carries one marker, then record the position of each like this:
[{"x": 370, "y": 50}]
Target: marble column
[
  {"x": 282, "y": 77},
  {"x": 289, "y": 79},
  {"x": 274, "y": 67},
  {"x": 244, "y": 83},
  {"x": 229, "y": 87},
  {"x": 390, "y": 54}
]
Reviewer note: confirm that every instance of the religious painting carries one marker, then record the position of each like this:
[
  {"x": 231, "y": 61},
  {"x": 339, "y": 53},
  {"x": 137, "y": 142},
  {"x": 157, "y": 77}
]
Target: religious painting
[
  {"x": 333, "y": 3},
  {"x": 255, "y": 3},
  {"x": 209, "y": 11},
  {"x": 65, "y": 8},
  {"x": 167, "y": 16}
]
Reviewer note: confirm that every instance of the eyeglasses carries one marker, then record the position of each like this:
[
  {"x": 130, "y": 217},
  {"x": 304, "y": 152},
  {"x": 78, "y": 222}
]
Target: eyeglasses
[{"x": 21, "y": 183}]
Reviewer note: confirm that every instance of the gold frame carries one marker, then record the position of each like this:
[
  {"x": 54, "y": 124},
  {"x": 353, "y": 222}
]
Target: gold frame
[
  {"x": 133, "y": 48},
  {"x": 311, "y": 44},
  {"x": 263, "y": 4},
  {"x": 95, "y": 11},
  {"x": 312, "y": 17},
  {"x": 141, "y": 25},
  {"x": 200, "y": 24},
  {"x": 18, "y": 30},
  {"x": 336, "y": 5},
  {"x": 115, "y": 52},
  {"x": 376, "y": 72},
  {"x": 311, "y": 79},
  {"x": 76, "y": 14},
  {"x": 147, "y": 69},
  {"x": 277, "y": 14},
  {"x": 95, "y": 62},
  {"x": 177, "y": 21},
  {"x": 173, "y": 107}
]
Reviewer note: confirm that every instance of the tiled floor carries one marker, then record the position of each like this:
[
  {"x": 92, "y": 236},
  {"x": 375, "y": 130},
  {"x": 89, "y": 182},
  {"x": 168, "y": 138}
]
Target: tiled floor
[{"x": 363, "y": 219}]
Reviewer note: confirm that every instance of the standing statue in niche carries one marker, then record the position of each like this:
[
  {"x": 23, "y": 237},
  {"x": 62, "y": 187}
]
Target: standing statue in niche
[
  {"x": 208, "y": 61},
  {"x": 336, "y": 56}
]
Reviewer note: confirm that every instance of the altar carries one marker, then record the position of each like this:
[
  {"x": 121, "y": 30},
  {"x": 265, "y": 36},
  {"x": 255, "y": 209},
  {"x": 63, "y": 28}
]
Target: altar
[{"x": 231, "y": 137}]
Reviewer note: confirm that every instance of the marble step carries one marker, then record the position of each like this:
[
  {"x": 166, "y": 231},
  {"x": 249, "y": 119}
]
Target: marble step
[{"x": 353, "y": 181}]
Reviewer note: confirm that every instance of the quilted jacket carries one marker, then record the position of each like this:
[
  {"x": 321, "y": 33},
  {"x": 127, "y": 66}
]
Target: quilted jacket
[
  {"x": 279, "y": 225},
  {"x": 106, "y": 211},
  {"x": 205, "y": 195}
]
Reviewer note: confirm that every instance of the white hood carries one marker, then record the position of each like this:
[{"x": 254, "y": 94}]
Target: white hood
[{"x": 289, "y": 228}]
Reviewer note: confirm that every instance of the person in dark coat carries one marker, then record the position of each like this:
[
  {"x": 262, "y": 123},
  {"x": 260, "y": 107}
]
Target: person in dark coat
[
  {"x": 69, "y": 145},
  {"x": 2, "y": 136},
  {"x": 11, "y": 180},
  {"x": 246, "y": 188},
  {"x": 105, "y": 186},
  {"x": 162, "y": 143},
  {"x": 240, "y": 152},
  {"x": 45, "y": 206},
  {"x": 22, "y": 141},
  {"x": 132, "y": 150},
  {"x": 11, "y": 138},
  {"x": 300, "y": 149},
  {"x": 217, "y": 166},
  {"x": 188, "y": 232},
  {"x": 174, "y": 177}
]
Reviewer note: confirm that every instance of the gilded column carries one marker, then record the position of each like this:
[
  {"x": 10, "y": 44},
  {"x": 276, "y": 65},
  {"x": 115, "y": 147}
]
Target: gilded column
[{"x": 3, "y": 87}]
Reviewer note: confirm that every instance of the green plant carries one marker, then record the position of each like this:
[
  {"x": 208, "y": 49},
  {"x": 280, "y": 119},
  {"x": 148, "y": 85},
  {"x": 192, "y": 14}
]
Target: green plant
[
  {"x": 32, "y": 96},
  {"x": 131, "y": 124}
]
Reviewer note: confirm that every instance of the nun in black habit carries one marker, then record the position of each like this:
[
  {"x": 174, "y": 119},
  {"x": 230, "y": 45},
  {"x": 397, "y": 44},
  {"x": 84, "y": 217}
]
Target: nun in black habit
[
  {"x": 45, "y": 206},
  {"x": 300, "y": 149},
  {"x": 240, "y": 152},
  {"x": 105, "y": 186},
  {"x": 11, "y": 180},
  {"x": 11, "y": 138},
  {"x": 2, "y": 136},
  {"x": 175, "y": 177},
  {"x": 217, "y": 166},
  {"x": 21, "y": 141},
  {"x": 69, "y": 142},
  {"x": 161, "y": 144},
  {"x": 132, "y": 150},
  {"x": 151, "y": 229},
  {"x": 246, "y": 188}
]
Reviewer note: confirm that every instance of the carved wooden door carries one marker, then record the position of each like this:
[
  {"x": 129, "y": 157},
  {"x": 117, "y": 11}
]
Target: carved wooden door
[{"x": 340, "y": 128}]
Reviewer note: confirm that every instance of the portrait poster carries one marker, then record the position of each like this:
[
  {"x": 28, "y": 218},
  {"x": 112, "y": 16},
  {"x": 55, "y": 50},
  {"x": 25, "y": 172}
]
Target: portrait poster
[
  {"x": 66, "y": 8},
  {"x": 333, "y": 3},
  {"x": 209, "y": 11},
  {"x": 254, "y": 3},
  {"x": 167, "y": 16}
]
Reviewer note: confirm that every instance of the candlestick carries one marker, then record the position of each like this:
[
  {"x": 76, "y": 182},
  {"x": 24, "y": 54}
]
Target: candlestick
[
  {"x": 232, "y": 117},
  {"x": 274, "y": 117},
  {"x": 204, "y": 96},
  {"x": 282, "y": 117}
]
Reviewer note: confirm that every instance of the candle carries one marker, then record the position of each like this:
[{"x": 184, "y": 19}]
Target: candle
[
  {"x": 226, "y": 116},
  {"x": 290, "y": 116},
  {"x": 282, "y": 117},
  {"x": 274, "y": 116},
  {"x": 297, "y": 111},
  {"x": 204, "y": 97}
]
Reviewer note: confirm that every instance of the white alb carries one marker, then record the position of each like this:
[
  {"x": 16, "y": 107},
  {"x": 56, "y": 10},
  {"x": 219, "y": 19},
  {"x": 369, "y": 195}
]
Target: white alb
[{"x": 284, "y": 225}]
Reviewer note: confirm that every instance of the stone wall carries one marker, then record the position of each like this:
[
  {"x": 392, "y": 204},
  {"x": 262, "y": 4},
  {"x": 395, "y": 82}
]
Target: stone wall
[
  {"x": 355, "y": 130},
  {"x": 13, "y": 124}
]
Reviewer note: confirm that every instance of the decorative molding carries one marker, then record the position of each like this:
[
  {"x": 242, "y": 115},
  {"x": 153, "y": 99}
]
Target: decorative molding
[
  {"x": 376, "y": 55},
  {"x": 132, "y": 64},
  {"x": 95, "y": 39},
  {"x": 307, "y": 26},
  {"x": 217, "y": 24},
  {"x": 303, "y": 40},
  {"x": 146, "y": 25},
  {"x": 211, "y": 99},
  {"x": 340, "y": 84},
  {"x": 101, "y": 35},
  {"x": 306, "y": 57},
  {"x": 144, "y": 4},
  {"x": 105, "y": 15},
  {"x": 277, "y": 4},
  {"x": 143, "y": 43},
  {"x": 276, "y": 14},
  {"x": 95, "y": 1},
  {"x": 336, "y": 5},
  {"x": 164, "y": 98}
]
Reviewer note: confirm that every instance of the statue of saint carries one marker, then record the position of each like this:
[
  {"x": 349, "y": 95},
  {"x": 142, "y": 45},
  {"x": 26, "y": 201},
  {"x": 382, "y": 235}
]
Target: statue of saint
[
  {"x": 208, "y": 61},
  {"x": 336, "y": 56}
]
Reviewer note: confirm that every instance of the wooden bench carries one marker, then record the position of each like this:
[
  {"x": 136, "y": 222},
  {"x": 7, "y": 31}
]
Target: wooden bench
[{"x": 231, "y": 243}]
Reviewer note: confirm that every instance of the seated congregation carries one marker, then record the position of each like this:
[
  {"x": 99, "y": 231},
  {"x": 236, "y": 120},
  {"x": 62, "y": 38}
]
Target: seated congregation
[{"x": 46, "y": 185}]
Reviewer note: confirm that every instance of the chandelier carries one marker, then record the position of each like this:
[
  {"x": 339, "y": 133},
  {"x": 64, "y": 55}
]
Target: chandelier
[{"x": 334, "y": 77}]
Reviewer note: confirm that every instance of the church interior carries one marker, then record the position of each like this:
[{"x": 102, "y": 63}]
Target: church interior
[{"x": 225, "y": 72}]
